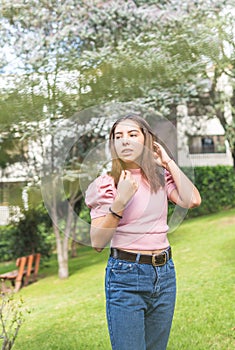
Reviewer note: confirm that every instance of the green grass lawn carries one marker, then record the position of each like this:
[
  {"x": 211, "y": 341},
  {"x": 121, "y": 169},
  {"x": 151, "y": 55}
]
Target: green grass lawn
[{"x": 70, "y": 314}]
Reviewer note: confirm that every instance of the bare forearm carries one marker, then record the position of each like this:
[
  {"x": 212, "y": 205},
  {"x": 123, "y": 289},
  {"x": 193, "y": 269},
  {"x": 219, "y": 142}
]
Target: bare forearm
[
  {"x": 189, "y": 196},
  {"x": 103, "y": 228},
  {"x": 102, "y": 232}
]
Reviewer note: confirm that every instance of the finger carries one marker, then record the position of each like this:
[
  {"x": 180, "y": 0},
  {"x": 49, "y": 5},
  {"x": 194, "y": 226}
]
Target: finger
[
  {"x": 122, "y": 176},
  {"x": 155, "y": 152},
  {"x": 127, "y": 174},
  {"x": 156, "y": 147}
]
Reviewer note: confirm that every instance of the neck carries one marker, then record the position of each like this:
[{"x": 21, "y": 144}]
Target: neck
[{"x": 128, "y": 166}]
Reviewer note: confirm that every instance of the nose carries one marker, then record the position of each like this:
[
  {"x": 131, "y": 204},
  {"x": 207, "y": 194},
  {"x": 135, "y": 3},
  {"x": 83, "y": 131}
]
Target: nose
[{"x": 125, "y": 142}]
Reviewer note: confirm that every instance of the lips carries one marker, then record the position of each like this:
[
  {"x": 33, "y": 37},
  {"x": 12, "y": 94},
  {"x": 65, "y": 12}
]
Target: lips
[{"x": 127, "y": 151}]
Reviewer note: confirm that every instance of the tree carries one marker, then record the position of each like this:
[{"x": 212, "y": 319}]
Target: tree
[
  {"x": 45, "y": 40},
  {"x": 60, "y": 183},
  {"x": 61, "y": 51},
  {"x": 204, "y": 42},
  {"x": 218, "y": 96},
  {"x": 76, "y": 54}
]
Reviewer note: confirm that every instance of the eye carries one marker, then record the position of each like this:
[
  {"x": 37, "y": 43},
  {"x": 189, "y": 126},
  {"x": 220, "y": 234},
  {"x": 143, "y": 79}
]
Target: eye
[{"x": 133, "y": 135}]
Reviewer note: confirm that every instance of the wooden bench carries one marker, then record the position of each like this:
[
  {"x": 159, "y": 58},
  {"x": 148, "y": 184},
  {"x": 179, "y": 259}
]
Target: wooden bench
[{"x": 27, "y": 272}]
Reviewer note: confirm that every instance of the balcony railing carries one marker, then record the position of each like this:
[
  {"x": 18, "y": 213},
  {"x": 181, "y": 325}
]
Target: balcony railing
[{"x": 207, "y": 149}]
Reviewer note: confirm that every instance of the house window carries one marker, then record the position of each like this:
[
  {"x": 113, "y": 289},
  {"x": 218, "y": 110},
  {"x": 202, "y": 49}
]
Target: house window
[{"x": 207, "y": 144}]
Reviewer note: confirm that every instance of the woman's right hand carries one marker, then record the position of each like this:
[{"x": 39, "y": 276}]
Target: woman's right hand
[{"x": 127, "y": 187}]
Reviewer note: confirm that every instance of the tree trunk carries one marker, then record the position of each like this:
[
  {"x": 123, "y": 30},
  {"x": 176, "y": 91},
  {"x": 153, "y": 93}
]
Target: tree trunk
[
  {"x": 74, "y": 243},
  {"x": 62, "y": 253},
  {"x": 233, "y": 155},
  {"x": 62, "y": 238},
  {"x": 61, "y": 245}
]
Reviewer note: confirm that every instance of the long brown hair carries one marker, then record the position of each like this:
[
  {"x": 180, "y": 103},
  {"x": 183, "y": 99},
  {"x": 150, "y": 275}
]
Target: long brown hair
[{"x": 150, "y": 171}]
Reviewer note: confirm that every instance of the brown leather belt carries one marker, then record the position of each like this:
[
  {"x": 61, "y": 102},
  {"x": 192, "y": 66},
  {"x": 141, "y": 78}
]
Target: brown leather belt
[{"x": 155, "y": 259}]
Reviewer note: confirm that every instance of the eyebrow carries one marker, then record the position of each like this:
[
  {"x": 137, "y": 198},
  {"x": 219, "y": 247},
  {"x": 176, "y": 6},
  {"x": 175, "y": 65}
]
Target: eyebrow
[{"x": 120, "y": 132}]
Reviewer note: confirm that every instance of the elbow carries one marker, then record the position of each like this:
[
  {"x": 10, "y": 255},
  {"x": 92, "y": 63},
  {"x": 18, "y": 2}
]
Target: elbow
[
  {"x": 196, "y": 202},
  {"x": 189, "y": 203},
  {"x": 96, "y": 244},
  {"x": 196, "y": 199},
  {"x": 99, "y": 250}
]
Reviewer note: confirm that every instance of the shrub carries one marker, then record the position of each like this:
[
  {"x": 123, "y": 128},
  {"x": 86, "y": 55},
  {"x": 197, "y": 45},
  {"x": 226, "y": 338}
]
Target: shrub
[
  {"x": 32, "y": 234},
  {"x": 11, "y": 319},
  {"x": 216, "y": 186},
  {"x": 5, "y": 242}
]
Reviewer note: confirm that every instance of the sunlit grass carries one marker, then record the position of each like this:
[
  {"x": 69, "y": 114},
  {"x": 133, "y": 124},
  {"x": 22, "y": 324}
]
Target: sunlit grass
[
  {"x": 204, "y": 253},
  {"x": 70, "y": 314}
]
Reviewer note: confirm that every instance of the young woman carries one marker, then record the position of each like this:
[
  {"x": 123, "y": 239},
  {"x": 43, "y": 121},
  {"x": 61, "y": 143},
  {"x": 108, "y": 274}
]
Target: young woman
[{"x": 129, "y": 209}]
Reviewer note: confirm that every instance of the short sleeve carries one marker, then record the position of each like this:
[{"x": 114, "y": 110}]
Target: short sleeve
[
  {"x": 170, "y": 184},
  {"x": 100, "y": 195}
]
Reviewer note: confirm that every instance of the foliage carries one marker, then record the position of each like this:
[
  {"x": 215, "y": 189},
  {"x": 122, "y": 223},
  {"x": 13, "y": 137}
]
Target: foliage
[
  {"x": 85, "y": 213},
  {"x": 77, "y": 54},
  {"x": 211, "y": 91},
  {"x": 11, "y": 150},
  {"x": 11, "y": 319},
  {"x": 32, "y": 234},
  {"x": 61, "y": 51},
  {"x": 5, "y": 243},
  {"x": 217, "y": 188}
]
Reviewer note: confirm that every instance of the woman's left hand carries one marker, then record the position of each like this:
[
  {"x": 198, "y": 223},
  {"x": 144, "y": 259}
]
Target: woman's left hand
[{"x": 160, "y": 155}]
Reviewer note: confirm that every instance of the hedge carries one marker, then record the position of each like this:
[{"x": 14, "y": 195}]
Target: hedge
[{"x": 217, "y": 188}]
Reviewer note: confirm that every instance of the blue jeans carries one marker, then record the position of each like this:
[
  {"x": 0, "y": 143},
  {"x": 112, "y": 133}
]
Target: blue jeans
[{"x": 140, "y": 301}]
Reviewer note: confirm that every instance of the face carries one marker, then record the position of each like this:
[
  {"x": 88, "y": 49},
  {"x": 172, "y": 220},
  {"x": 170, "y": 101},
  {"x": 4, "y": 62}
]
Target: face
[{"x": 129, "y": 142}]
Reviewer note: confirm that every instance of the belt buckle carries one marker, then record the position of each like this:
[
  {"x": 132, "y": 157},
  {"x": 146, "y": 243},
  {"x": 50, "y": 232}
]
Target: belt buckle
[{"x": 159, "y": 264}]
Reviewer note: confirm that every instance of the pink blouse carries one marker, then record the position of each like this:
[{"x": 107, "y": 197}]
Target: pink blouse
[{"x": 144, "y": 223}]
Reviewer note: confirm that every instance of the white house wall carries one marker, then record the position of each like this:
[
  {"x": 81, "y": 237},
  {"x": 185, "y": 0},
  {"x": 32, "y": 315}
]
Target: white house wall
[{"x": 193, "y": 126}]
